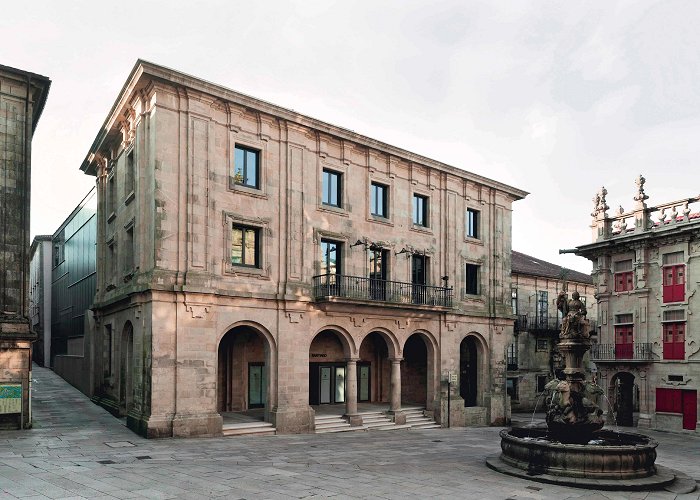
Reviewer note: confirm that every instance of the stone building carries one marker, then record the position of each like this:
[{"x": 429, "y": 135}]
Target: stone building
[
  {"x": 257, "y": 258},
  {"x": 40, "y": 263},
  {"x": 533, "y": 357},
  {"x": 646, "y": 266},
  {"x": 22, "y": 98}
]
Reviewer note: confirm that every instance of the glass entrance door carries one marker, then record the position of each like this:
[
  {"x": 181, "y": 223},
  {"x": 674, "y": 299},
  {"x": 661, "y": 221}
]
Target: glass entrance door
[
  {"x": 325, "y": 385},
  {"x": 364, "y": 383},
  {"x": 377, "y": 272},
  {"x": 418, "y": 278},
  {"x": 257, "y": 385},
  {"x": 339, "y": 384}
]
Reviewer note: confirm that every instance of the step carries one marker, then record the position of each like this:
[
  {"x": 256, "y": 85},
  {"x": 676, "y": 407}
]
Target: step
[
  {"x": 326, "y": 425},
  {"x": 347, "y": 428},
  {"x": 427, "y": 425},
  {"x": 260, "y": 430},
  {"x": 324, "y": 418},
  {"x": 392, "y": 427},
  {"x": 247, "y": 425}
]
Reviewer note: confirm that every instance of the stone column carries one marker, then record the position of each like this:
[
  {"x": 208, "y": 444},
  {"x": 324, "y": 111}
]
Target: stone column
[
  {"x": 351, "y": 393},
  {"x": 395, "y": 401}
]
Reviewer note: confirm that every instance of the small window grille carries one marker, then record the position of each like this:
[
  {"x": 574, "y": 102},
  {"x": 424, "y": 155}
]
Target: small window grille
[
  {"x": 623, "y": 266},
  {"x": 624, "y": 318},
  {"x": 677, "y": 315},
  {"x": 673, "y": 258}
]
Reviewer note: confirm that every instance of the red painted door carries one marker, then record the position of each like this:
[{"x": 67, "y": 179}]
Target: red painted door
[
  {"x": 674, "y": 283},
  {"x": 690, "y": 409},
  {"x": 624, "y": 343}
]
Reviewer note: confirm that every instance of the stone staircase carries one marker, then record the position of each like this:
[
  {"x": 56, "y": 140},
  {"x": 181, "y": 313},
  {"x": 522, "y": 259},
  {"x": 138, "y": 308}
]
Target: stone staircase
[
  {"x": 416, "y": 419},
  {"x": 249, "y": 429},
  {"x": 376, "y": 421}
]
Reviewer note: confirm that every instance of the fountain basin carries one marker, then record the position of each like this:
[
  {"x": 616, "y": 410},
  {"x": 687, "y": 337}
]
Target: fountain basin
[{"x": 616, "y": 456}]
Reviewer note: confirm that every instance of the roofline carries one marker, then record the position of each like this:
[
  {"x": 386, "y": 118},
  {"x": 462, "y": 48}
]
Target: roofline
[
  {"x": 80, "y": 205},
  {"x": 44, "y": 82},
  {"x": 38, "y": 239},
  {"x": 143, "y": 67},
  {"x": 551, "y": 278}
]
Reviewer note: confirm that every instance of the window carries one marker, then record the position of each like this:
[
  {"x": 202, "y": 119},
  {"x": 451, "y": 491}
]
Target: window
[
  {"x": 246, "y": 167},
  {"x": 624, "y": 336},
  {"x": 624, "y": 277},
  {"x": 129, "y": 257},
  {"x": 420, "y": 210},
  {"x": 512, "y": 355},
  {"x": 245, "y": 249},
  {"x": 673, "y": 326},
  {"x": 108, "y": 350},
  {"x": 514, "y": 300},
  {"x": 331, "y": 257},
  {"x": 541, "y": 382},
  {"x": 58, "y": 251},
  {"x": 512, "y": 388},
  {"x": 674, "y": 277},
  {"x": 542, "y": 309},
  {"x": 379, "y": 200},
  {"x": 332, "y": 189},
  {"x": 472, "y": 223},
  {"x": 130, "y": 173},
  {"x": 112, "y": 264},
  {"x": 472, "y": 279},
  {"x": 542, "y": 345},
  {"x": 111, "y": 194},
  {"x": 682, "y": 401},
  {"x": 378, "y": 259}
]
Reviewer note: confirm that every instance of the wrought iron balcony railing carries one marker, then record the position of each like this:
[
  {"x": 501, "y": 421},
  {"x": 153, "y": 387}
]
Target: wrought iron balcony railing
[
  {"x": 326, "y": 286},
  {"x": 639, "y": 351}
]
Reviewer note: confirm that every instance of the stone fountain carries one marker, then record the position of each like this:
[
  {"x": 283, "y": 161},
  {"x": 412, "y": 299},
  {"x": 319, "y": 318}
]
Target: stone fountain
[{"x": 574, "y": 449}]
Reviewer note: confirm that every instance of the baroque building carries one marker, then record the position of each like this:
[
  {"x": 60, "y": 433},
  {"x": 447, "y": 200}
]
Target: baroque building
[
  {"x": 533, "y": 357},
  {"x": 257, "y": 259},
  {"x": 645, "y": 265},
  {"x": 22, "y": 98}
]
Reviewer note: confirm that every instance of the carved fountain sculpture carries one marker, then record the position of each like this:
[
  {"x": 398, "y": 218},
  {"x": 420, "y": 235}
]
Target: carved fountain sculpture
[{"x": 574, "y": 449}]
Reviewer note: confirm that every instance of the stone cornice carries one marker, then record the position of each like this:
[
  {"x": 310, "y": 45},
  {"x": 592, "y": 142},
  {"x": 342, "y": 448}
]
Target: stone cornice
[{"x": 143, "y": 71}]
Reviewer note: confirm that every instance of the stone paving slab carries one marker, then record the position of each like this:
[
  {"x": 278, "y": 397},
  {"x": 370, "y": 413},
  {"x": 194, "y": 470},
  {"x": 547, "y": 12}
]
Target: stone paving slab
[{"x": 78, "y": 450}]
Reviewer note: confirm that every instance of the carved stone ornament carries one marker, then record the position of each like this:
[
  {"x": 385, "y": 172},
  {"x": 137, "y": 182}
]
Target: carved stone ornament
[
  {"x": 599, "y": 203},
  {"x": 641, "y": 195}
]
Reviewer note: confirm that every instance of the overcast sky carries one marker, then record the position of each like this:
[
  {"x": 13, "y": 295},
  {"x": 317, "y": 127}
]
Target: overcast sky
[{"x": 557, "y": 98}]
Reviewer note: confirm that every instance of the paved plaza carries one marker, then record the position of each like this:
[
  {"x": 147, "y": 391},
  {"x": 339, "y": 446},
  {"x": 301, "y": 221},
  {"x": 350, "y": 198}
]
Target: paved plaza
[{"x": 77, "y": 450}]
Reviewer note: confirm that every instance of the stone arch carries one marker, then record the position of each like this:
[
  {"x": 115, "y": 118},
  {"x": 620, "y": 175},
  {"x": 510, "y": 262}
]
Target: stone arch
[
  {"x": 126, "y": 368},
  {"x": 347, "y": 341},
  {"x": 473, "y": 369},
  {"x": 246, "y": 377},
  {"x": 420, "y": 376},
  {"x": 254, "y": 325},
  {"x": 329, "y": 351},
  {"x": 622, "y": 396},
  {"x": 392, "y": 342}
]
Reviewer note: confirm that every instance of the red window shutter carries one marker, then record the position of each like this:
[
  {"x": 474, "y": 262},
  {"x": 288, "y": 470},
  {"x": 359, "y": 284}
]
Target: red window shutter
[
  {"x": 668, "y": 284},
  {"x": 629, "y": 281},
  {"x": 676, "y": 401},
  {"x": 662, "y": 400},
  {"x": 618, "y": 283},
  {"x": 679, "y": 283}
]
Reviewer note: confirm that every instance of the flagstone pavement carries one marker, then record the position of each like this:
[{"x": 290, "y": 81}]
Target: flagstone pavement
[{"x": 78, "y": 450}]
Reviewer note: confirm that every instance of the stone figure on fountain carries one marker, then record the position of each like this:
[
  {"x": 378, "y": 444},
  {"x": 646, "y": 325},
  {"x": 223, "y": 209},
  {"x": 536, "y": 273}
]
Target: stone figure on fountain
[{"x": 573, "y": 311}]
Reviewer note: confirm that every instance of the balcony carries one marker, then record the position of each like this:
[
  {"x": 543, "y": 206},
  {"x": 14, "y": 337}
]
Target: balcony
[
  {"x": 339, "y": 287},
  {"x": 611, "y": 353}
]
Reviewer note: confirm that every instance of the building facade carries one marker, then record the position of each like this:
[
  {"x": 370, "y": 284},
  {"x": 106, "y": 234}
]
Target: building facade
[
  {"x": 73, "y": 284},
  {"x": 22, "y": 98},
  {"x": 259, "y": 258},
  {"x": 40, "y": 263},
  {"x": 645, "y": 265},
  {"x": 532, "y": 358}
]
